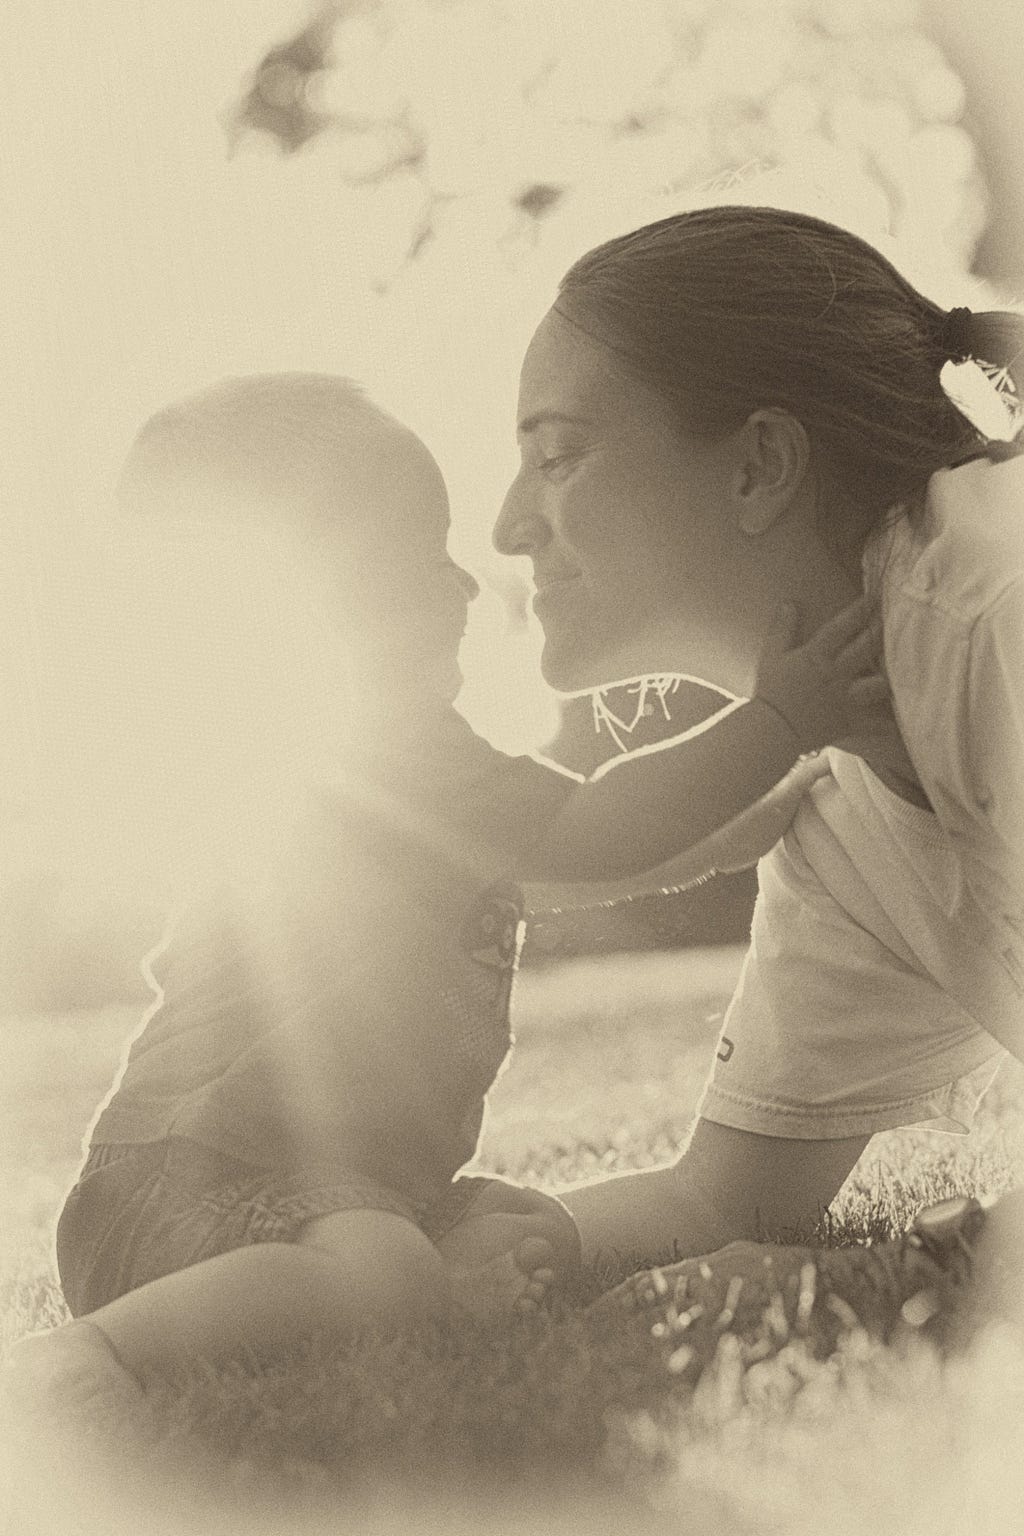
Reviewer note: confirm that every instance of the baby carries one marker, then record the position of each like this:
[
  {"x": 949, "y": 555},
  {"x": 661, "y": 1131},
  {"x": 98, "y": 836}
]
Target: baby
[{"x": 278, "y": 1155}]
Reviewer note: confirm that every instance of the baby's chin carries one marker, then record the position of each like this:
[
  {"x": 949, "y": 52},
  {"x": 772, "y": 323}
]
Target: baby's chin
[
  {"x": 438, "y": 678},
  {"x": 423, "y": 686},
  {"x": 450, "y": 683}
]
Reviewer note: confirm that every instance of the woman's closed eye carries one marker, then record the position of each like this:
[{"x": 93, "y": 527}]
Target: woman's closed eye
[{"x": 554, "y": 465}]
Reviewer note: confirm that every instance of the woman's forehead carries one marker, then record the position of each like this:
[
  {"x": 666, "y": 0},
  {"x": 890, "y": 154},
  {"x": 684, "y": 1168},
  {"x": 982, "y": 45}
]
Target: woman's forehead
[{"x": 568, "y": 373}]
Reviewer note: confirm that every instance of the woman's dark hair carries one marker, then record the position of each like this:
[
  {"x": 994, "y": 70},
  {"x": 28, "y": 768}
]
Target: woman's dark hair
[{"x": 724, "y": 310}]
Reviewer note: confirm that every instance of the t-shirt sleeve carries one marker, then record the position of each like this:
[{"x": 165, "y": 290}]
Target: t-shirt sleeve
[{"x": 837, "y": 1029}]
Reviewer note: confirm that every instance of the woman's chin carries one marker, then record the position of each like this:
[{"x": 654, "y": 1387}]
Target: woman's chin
[
  {"x": 570, "y": 665},
  {"x": 568, "y": 670}
]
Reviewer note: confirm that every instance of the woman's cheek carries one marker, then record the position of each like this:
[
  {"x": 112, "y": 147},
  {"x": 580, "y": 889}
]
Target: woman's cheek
[
  {"x": 606, "y": 525},
  {"x": 583, "y": 510}
]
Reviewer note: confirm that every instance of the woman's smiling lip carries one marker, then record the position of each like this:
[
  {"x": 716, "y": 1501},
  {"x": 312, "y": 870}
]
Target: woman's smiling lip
[
  {"x": 547, "y": 584},
  {"x": 550, "y": 590}
]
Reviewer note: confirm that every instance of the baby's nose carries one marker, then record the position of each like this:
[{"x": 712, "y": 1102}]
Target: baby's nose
[{"x": 469, "y": 584}]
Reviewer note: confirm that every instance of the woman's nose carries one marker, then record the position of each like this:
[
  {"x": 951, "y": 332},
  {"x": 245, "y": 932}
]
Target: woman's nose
[{"x": 518, "y": 531}]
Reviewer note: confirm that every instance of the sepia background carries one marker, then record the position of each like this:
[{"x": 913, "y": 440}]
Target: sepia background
[
  {"x": 388, "y": 189},
  {"x": 391, "y": 189}
]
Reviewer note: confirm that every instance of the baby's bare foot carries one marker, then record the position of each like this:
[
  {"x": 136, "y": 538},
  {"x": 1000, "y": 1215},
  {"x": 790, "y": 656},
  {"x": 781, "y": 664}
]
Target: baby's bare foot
[{"x": 499, "y": 1267}]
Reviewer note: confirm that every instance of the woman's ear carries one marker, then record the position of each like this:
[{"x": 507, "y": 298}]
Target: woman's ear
[{"x": 774, "y": 456}]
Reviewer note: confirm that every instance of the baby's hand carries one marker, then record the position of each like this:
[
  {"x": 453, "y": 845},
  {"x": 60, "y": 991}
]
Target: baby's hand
[{"x": 832, "y": 685}]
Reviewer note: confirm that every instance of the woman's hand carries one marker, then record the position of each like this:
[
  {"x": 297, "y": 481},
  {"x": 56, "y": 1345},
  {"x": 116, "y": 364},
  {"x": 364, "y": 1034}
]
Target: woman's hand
[
  {"x": 831, "y": 686},
  {"x": 766, "y": 1295}
]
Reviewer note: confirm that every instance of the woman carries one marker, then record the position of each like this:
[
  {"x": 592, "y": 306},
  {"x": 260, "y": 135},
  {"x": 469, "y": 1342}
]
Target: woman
[{"x": 724, "y": 410}]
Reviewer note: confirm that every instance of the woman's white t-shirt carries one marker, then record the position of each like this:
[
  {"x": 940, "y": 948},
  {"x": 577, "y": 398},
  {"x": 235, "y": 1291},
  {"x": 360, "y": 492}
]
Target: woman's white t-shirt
[{"x": 886, "y": 964}]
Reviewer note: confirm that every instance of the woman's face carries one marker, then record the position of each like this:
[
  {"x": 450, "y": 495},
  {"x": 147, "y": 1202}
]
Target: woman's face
[{"x": 620, "y": 514}]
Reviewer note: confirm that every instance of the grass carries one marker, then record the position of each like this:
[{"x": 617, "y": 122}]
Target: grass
[{"x": 552, "y": 1425}]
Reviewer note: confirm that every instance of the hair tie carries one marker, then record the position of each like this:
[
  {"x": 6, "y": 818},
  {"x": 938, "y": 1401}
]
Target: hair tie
[{"x": 956, "y": 338}]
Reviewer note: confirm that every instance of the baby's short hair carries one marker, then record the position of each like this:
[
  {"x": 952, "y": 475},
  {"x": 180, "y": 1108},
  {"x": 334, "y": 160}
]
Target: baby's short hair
[{"x": 288, "y": 447}]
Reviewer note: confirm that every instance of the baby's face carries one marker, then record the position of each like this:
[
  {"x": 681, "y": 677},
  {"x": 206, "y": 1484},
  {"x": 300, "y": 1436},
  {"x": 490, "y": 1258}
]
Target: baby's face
[
  {"x": 365, "y": 540},
  {"x": 395, "y": 594}
]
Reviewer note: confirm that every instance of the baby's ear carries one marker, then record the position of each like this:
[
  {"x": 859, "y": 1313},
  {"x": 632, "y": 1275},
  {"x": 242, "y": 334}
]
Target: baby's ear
[{"x": 774, "y": 458}]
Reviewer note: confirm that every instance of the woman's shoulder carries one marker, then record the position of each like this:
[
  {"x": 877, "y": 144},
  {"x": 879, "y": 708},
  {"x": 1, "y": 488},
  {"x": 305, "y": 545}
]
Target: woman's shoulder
[
  {"x": 982, "y": 497},
  {"x": 960, "y": 548}
]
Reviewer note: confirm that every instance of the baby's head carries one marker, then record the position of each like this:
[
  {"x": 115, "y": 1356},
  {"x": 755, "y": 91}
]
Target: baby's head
[{"x": 309, "y": 464}]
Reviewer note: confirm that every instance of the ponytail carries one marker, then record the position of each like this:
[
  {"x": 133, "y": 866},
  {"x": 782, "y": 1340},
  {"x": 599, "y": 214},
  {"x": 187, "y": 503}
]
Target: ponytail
[{"x": 991, "y": 397}]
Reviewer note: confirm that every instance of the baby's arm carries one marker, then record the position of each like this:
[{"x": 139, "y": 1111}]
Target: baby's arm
[
  {"x": 728, "y": 850},
  {"x": 655, "y": 804}
]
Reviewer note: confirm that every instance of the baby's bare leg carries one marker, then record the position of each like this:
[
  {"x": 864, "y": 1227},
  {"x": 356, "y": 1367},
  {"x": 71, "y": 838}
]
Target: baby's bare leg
[
  {"x": 352, "y": 1271},
  {"x": 349, "y": 1271}
]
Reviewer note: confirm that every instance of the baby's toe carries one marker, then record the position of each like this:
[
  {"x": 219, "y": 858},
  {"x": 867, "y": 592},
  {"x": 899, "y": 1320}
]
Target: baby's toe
[
  {"x": 535, "y": 1293},
  {"x": 534, "y": 1254},
  {"x": 531, "y": 1300}
]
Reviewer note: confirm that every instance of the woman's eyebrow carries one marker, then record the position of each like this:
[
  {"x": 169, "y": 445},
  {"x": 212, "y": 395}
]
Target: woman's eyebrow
[{"x": 538, "y": 418}]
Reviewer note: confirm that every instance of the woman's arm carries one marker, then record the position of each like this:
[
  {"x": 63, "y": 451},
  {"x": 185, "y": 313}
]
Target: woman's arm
[
  {"x": 728, "y": 1185},
  {"x": 651, "y": 806}
]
